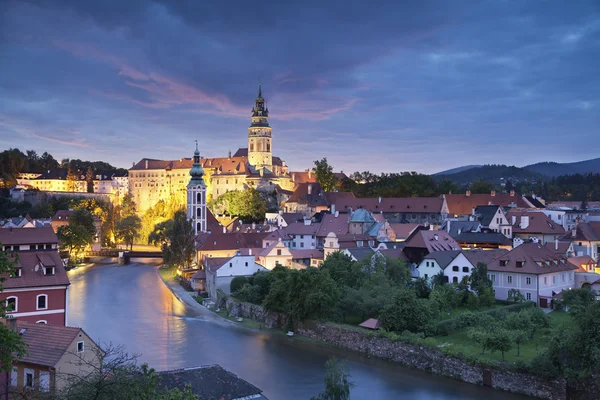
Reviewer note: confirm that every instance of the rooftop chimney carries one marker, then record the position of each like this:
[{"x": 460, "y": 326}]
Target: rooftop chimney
[
  {"x": 309, "y": 188},
  {"x": 574, "y": 232},
  {"x": 512, "y": 193},
  {"x": 379, "y": 199},
  {"x": 468, "y": 193},
  {"x": 493, "y": 193},
  {"x": 250, "y": 252},
  {"x": 524, "y": 222},
  {"x": 556, "y": 244},
  {"x": 333, "y": 208},
  {"x": 337, "y": 214},
  {"x": 146, "y": 164}
]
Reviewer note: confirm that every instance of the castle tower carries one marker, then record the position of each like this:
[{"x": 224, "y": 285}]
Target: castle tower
[
  {"x": 196, "y": 196},
  {"x": 260, "y": 155}
]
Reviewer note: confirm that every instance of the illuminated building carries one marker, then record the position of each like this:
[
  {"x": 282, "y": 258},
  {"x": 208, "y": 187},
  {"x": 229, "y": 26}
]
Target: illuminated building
[
  {"x": 151, "y": 180},
  {"x": 196, "y": 196}
]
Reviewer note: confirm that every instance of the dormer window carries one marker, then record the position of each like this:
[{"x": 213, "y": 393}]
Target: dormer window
[
  {"x": 520, "y": 264},
  {"x": 48, "y": 271},
  {"x": 503, "y": 263},
  {"x": 18, "y": 272}
]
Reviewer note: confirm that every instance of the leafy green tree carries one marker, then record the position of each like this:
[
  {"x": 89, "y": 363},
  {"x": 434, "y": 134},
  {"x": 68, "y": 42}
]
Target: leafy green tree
[
  {"x": 519, "y": 323},
  {"x": 11, "y": 344},
  {"x": 89, "y": 179},
  {"x": 577, "y": 300},
  {"x": 72, "y": 179},
  {"x": 445, "y": 297},
  {"x": 74, "y": 239},
  {"x": 515, "y": 296},
  {"x": 343, "y": 269},
  {"x": 83, "y": 218},
  {"x": 539, "y": 320},
  {"x": 248, "y": 205},
  {"x": 127, "y": 229},
  {"x": 500, "y": 340},
  {"x": 481, "y": 337},
  {"x": 237, "y": 283},
  {"x": 478, "y": 280},
  {"x": 324, "y": 175},
  {"x": 337, "y": 381},
  {"x": 406, "y": 312},
  {"x": 422, "y": 287},
  {"x": 439, "y": 279},
  {"x": 481, "y": 187},
  {"x": 128, "y": 206},
  {"x": 176, "y": 238},
  {"x": 446, "y": 186}
]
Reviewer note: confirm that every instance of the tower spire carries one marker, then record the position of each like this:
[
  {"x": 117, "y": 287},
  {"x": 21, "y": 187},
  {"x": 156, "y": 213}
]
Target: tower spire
[{"x": 259, "y": 87}]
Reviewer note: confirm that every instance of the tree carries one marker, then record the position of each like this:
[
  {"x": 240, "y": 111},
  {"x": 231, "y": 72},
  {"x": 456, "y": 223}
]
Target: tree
[
  {"x": 72, "y": 180},
  {"x": 117, "y": 376},
  {"x": 516, "y": 296},
  {"x": 11, "y": 344},
  {"x": 445, "y": 297},
  {"x": 446, "y": 186},
  {"x": 176, "y": 237},
  {"x": 237, "y": 283},
  {"x": 74, "y": 239},
  {"x": 422, "y": 287},
  {"x": 478, "y": 280},
  {"x": 89, "y": 179},
  {"x": 520, "y": 325},
  {"x": 481, "y": 187},
  {"x": 500, "y": 340},
  {"x": 248, "y": 205},
  {"x": 128, "y": 206},
  {"x": 439, "y": 279},
  {"x": 324, "y": 175},
  {"x": 127, "y": 229},
  {"x": 406, "y": 312},
  {"x": 337, "y": 381},
  {"x": 577, "y": 300},
  {"x": 342, "y": 269},
  {"x": 83, "y": 218}
]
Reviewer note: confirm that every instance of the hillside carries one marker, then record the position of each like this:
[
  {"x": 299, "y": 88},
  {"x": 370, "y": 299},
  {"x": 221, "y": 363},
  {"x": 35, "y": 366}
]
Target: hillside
[
  {"x": 553, "y": 169},
  {"x": 457, "y": 170},
  {"x": 492, "y": 173}
]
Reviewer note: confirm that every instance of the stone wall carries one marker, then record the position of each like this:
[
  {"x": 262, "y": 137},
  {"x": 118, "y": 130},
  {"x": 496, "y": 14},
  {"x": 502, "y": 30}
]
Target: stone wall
[
  {"x": 251, "y": 311},
  {"x": 428, "y": 359}
]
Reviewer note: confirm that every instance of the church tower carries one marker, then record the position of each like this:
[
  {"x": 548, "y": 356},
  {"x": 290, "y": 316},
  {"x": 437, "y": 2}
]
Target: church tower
[
  {"x": 260, "y": 155},
  {"x": 196, "y": 196}
]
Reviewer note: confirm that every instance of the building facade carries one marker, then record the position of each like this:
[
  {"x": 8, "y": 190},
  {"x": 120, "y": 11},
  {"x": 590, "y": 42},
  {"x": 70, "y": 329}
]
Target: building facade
[{"x": 196, "y": 196}]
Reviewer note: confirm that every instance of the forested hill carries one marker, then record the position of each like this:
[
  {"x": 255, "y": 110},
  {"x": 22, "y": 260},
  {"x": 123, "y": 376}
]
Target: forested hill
[
  {"x": 556, "y": 169},
  {"x": 492, "y": 174}
]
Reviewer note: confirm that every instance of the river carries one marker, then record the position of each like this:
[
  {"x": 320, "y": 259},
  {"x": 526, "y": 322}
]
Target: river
[{"x": 131, "y": 306}]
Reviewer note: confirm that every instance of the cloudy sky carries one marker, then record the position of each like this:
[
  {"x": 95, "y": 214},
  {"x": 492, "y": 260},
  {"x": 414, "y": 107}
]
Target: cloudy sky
[{"x": 371, "y": 85}]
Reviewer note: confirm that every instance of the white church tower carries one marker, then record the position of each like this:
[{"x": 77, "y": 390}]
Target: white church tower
[{"x": 196, "y": 196}]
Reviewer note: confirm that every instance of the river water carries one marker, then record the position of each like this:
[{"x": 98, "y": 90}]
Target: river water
[{"x": 131, "y": 306}]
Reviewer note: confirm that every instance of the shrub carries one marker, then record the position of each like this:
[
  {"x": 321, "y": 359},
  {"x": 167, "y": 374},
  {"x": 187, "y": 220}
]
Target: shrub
[
  {"x": 249, "y": 293},
  {"x": 204, "y": 295},
  {"x": 237, "y": 283}
]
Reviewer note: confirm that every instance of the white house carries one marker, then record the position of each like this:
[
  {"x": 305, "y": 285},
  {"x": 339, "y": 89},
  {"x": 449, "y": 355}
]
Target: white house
[
  {"x": 435, "y": 262},
  {"x": 276, "y": 253},
  {"x": 221, "y": 271},
  {"x": 303, "y": 235}
]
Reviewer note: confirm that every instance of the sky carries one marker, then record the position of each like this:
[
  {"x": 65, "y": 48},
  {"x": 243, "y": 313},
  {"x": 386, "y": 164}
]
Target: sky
[{"x": 379, "y": 86}]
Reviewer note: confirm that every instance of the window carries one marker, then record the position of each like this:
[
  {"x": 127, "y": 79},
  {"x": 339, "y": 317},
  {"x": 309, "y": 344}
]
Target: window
[
  {"x": 301, "y": 236},
  {"x": 455, "y": 268},
  {"x": 493, "y": 278},
  {"x": 42, "y": 302},
  {"x": 246, "y": 263},
  {"x": 545, "y": 280},
  {"x": 509, "y": 278},
  {"x": 278, "y": 252},
  {"x": 359, "y": 243},
  {"x": 80, "y": 347},
  {"x": 455, "y": 279},
  {"x": 426, "y": 276},
  {"x": 18, "y": 272},
  {"x": 528, "y": 280},
  {"x": 28, "y": 378},
  {"x": 563, "y": 277},
  {"x": 520, "y": 264},
  {"x": 301, "y": 244},
  {"x": 44, "y": 381},
  {"x": 42, "y": 321},
  {"x": 12, "y": 304},
  {"x": 465, "y": 269},
  {"x": 230, "y": 265},
  {"x": 503, "y": 263},
  {"x": 528, "y": 296},
  {"x": 14, "y": 377},
  {"x": 371, "y": 243},
  {"x": 427, "y": 263},
  {"x": 553, "y": 279}
]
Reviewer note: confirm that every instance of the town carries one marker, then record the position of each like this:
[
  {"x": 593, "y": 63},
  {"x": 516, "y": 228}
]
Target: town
[{"x": 494, "y": 266}]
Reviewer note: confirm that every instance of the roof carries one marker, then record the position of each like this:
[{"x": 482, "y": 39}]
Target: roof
[
  {"x": 277, "y": 234},
  {"x": 308, "y": 193},
  {"x": 443, "y": 258},
  {"x": 46, "y": 344},
  {"x": 483, "y": 256},
  {"x": 362, "y": 215},
  {"x": 229, "y": 241},
  {"x": 533, "y": 200},
  {"x": 394, "y": 253},
  {"x": 486, "y": 214},
  {"x": 538, "y": 222},
  {"x": 360, "y": 253},
  {"x": 300, "y": 228},
  {"x": 563, "y": 246},
  {"x": 580, "y": 261},
  {"x": 463, "y": 204},
  {"x": 585, "y": 231},
  {"x": 391, "y": 204},
  {"x": 431, "y": 240},
  {"x": 331, "y": 223},
  {"x": 531, "y": 258},
  {"x": 25, "y": 236},
  {"x": 462, "y": 226},
  {"x": 573, "y": 205},
  {"x": 483, "y": 238},
  {"x": 62, "y": 215},
  {"x": 307, "y": 253},
  {"x": 210, "y": 382},
  {"x": 371, "y": 323},
  {"x": 28, "y": 261},
  {"x": 199, "y": 275},
  {"x": 214, "y": 263},
  {"x": 403, "y": 231},
  {"x": 292, "y": 217},
  {"x": 309, "y": 176}
]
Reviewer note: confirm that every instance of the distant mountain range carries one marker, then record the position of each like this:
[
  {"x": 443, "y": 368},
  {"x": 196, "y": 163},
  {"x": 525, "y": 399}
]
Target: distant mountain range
[{"x": 534, "y": 172}]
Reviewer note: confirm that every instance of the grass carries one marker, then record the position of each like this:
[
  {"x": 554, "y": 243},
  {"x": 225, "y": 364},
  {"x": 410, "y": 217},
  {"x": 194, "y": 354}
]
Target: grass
[
  {"x": 168, "y": 274},
  {"x": 248, "y": 323},
  {"x": 529, "y": 349}
]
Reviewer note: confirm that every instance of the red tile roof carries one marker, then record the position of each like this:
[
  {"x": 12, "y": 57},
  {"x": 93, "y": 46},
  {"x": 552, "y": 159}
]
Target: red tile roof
[
  {"x": 25, "y": 236},
  {"x": 538, "y": 223},
  {"x": 46, "y": 344},
  {"x": 585, "y": 231},
  {"x": 391, "y": 204},
  {"x": 403, "y": 231},
  {"x": 431, "y": 240},
  {"x": 28, "y": 261},
  {"x": 214, "y": 263},
  {"x": 483, "y": 256},
  {"x": 330, "y": 223},
  {"x": 533, "y": 258},
  {"x": 299, "y": 228},
  {"x": 307, "y": 253},
  {"x": 462, "y": 204},
  {"x": 228, "y": 241},
  {"x": 581, "y": 261}
]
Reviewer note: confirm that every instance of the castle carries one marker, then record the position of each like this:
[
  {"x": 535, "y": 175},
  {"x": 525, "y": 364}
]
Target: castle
[{"x": 255, "y": 166}]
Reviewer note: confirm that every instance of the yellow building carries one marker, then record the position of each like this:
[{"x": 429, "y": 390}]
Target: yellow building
[{"x": 152, "y": 180}]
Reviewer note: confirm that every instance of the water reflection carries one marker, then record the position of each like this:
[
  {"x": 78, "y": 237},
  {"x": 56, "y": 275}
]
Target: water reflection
[{"x": 130, "y": 306}]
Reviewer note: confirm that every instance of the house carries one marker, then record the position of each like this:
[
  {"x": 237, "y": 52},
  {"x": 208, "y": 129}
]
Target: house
[
  {"x": 276, "y": 236},
  {"x": 306, "y": 258},
  {"x": 464, "y": 265},
  {"x": 422, "y": 242},
  {"x": 493, "y": 219},
  {"x": 226, "y": 244},
  {"x": 210, "y": 382},
  {"x": 359, "y": 253},
  {"x": 38, "y": 290},
  {"x": 435, "y": 262},
  {"x": 462, "y": 205},
  {"x": 531, "y": 224},
  {"x": 403, "y": 231},
  {"x": 537, "y": 272},
  {"x": 220, "y": 271},
  {"x": 485, "y": 240},
  {"x": 416, "y": 210},
  {"x": 54, "y": 355},
  {"x": 308, "y": 199},
  {"x": 303, "y": 235},
  {"x": 198, "y": 281},
  {"x": 585, "y": 238},
  {"x": 276, "y": 254}
]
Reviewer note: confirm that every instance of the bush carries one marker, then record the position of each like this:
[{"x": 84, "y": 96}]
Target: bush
[
  {"x": 204, "y": 295},
  {"x": 237, "y": 283},
  {"x": 249, "y": 293}
]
